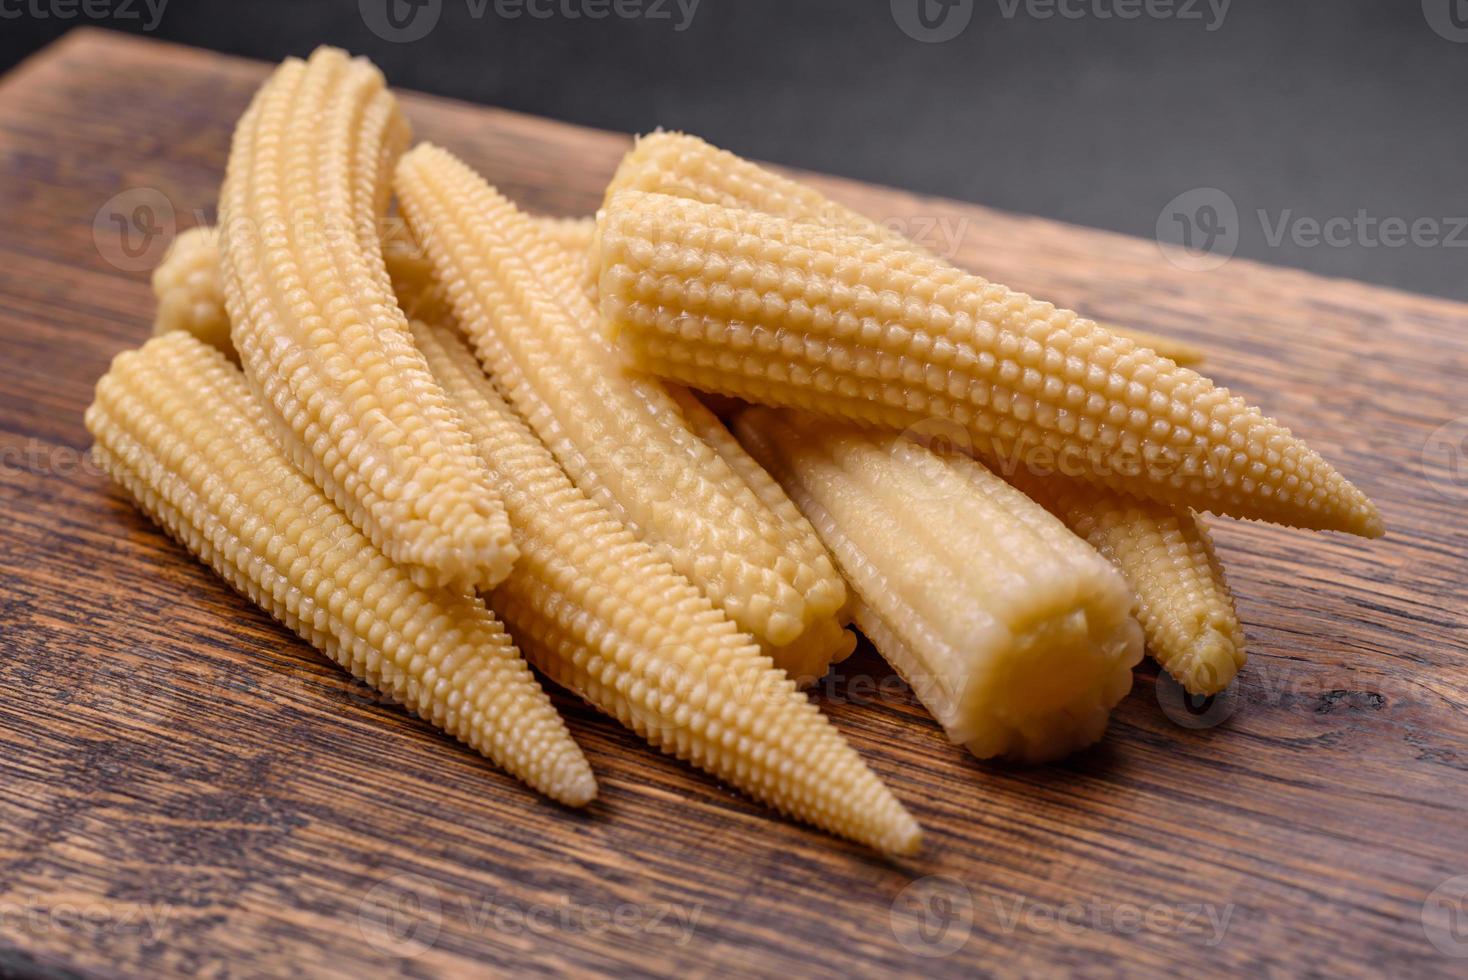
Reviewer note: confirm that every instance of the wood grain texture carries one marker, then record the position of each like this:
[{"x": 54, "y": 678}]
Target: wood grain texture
[{"x": 189, "y": 790}]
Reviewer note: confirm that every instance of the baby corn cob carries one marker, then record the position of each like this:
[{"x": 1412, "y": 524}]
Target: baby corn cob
[
  {"x": 1013, "y": 632},
  {"x": 825, "y": 641},
  {"x": 319, "y": 332},
  {"x": 599, "y": 613},
  {"x": 686, "y": 166},
  {"x": 573, "y": 235},
  {"x": 618, "y": 434},
  {"x": 1166, "y": 555},
  {"x": 177, "y": 427},
  {"x": 783, "y": 313},
  {"x": 186, "y": 284},
  {"x": 191, "y": 295}
]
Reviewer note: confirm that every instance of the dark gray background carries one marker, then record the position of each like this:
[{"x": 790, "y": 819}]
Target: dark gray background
[{"x": 1301, "y": 109}]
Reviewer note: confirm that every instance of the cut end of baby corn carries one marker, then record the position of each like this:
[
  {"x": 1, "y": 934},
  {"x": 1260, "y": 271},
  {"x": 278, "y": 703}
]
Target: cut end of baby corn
[
  {"x": 190, "y": 297},
  {"x": 618, "y": 433},
  {"x": 600, "y": 614},
  {"x": 1014, "y": 633},
  {"x": 1167, "y": 557},
  {"x": 785, "y": 313},
  {"x": 176, "y": 425},
  {"x": 319, "y": 332}
]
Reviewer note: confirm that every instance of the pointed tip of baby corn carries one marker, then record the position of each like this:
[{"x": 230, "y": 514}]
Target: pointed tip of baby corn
[
  {"x": 573, "y": 784},
  {"x": 1211, "y": 663},
  {"x": 903, "y": 837}
]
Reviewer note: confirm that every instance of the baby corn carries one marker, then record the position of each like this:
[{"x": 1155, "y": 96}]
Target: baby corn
[
  {"x": 686, "y": 166},
  {"x": 824, "y": 642},
  {"x": 186, "y": 284},
  {"x": 599, "y": 613},
  {"x": 617, "y": 433},
  {"x": 1166, "y": 555},
  {"x": 1013, "y": 632},
  {"x": 573, "y": 235},
  {"x": 176, "y": 426},
  {"x": 319, "y": 332},
  {"x": 191, "y": 295},
  {"x": 793, "y": 314}
]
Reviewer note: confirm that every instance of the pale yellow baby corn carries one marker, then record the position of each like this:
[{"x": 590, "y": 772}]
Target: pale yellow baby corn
[
  {"x": 573, "y": 235},
  {"x": 1015, "y": 634},
  {"x": 825, "y": 641},
  {"x": 176, "y": 425},
  {"x": 320, "y": 335},
  {"x": 617, "y": 433},
  {"x": 785, "y": 313},
  {"x": 599, "y": 613},
  {"x": 190, "y": 292},
  {"x": 1166, "y": 555},
  {"x": 686, "y": 166},
  {"x": 190, "y": 297}
]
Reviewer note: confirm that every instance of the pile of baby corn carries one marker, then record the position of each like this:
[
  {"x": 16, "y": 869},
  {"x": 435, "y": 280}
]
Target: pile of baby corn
[{"x": 440, "y": 457}]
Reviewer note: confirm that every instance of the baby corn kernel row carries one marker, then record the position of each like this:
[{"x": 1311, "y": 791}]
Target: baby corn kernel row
[{"x": 446, "y": 455}]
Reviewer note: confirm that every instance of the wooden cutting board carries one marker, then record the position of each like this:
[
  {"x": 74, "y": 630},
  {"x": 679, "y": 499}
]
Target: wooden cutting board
[{"x": 185, "y": 788}]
